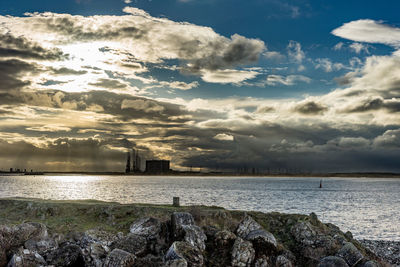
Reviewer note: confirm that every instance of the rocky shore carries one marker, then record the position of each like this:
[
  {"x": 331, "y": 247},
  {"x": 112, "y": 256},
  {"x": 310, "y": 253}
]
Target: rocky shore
[{"x": 93, "y": 233}]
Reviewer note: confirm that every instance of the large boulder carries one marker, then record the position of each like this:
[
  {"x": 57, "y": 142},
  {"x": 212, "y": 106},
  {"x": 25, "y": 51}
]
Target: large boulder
[
  {"x": 371, "y": 264},
  {"x": 195, "y": 236},
  {"x": 247, "y": 225},
  {"x": 41, "y": 246},
  {"x": 243, "y": 253},
  {"x": 350, "y": 254},
  {"x": 119, "y": 258},
  {"x": 313, "y": 243},
  {"x": 332, "y": 261},
  {"x": 149, "y": 261},
  {"x": 98, "y": 254},
  {"x": 183, "y": 228},
  {"x": 148, "y": 228},
  {"x": 263, "y": 241},
  {"x": 66, "y": 255},
  {"x": 183, "y": 250},
  {"x": 132, "y": 243},
  {"x": 262, "y": 261},
  {"x": 178, "y": 220},
  {"x": 25, "y": 258}
]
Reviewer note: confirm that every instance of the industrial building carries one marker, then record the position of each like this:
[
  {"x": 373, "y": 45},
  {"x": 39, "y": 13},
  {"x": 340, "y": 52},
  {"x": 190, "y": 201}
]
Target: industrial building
[
  {"x": 157, "y": 166},
  {"x": 136, "y": 162}
]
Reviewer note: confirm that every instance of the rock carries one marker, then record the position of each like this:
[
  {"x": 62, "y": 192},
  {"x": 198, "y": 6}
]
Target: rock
[
  {"x": 26, "y": 258},
  {"x": 66, "y": 255},
  {"x": 98, "y": 253},
  {"x": 183, "y": 250},
  {"x": 312, "y": 242},
  {"x": 27, "y": 231},
  {"x": 282, "y": 261},
  {"x": 350, "y": 254},
  {"x": 262, "y": 262},
  {"x": 332, "y": 261},
  {"x": 177, "y": 263},
  {"x": 262, "y": 240},
  {"x": 178, "y": 220},
  {"x": 247, "y": 225},
  {"x": 371, "y": 264},
  {"x": 219, "y": 250},
  {"x": 132, "y": 243},
  {"x": 348, "y": 235},
  {"x": 149, "y": 228},
  {"x": 243, "y": 253},
  {"x": 41, "y": 245},
  {"x": 119, "y": 258},
  {"x": 195, "y": 236},
  {"x": 149, "y": 261}
]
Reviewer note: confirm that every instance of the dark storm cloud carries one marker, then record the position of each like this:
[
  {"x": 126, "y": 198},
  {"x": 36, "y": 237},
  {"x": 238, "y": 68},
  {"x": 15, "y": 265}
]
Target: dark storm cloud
[
  {"x": 377, "y": 103},
  {"x": 20, "y": 47},
  {"x": 11, "y": 72},
  {"x": 67, "y": 71},
  {"x": 310, "y": 108}
]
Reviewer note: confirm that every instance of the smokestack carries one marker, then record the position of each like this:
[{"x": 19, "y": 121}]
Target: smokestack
[{"x": 128, "y": 163}]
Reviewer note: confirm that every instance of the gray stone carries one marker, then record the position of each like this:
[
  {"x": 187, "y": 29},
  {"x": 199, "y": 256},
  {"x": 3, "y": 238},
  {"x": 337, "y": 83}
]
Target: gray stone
[
  {"x": 195, "y": 236},
  {"x": 371, "y": 264},
  {"x": 183, "y": 250},
  {"x": 350, "y": 254},
  {"x": 262, "y": 240},
  {"x": 132, "y": 243},
  {"x": 247, "y": 225},
  {"x": 243, "y": 253},
  {"x": 224, "y": 238},
  {"x": 282, "y": 261},
  {"x": 176, "y": 263},
  {"x": 41, "y": 245},
  {"x": 119, "y": 258},
  {"x": 178, "y": 220},
  {"x": 149, "y": 228},
  {"x": 262, "y": 262},
  {"x": 332, "y": 261},
  {"x": 66, "y": 255},
  {"x": 26, "y": 258}
]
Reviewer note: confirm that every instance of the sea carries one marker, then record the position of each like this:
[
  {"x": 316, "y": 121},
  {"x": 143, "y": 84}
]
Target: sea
[{"x": 367, "y": 207}]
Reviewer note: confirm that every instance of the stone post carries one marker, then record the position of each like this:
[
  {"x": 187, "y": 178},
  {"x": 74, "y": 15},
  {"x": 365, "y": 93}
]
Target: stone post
[{"x": 175, "y": 201}]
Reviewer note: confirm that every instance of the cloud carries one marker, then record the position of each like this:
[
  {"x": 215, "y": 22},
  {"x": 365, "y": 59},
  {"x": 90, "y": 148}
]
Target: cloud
[
  {"x": 338, "y": 46},
  {"x": 12, "y": 73},
  {"x": 273, "y": 55},
  {"x": 181, "y": 85},
  {"x": 127, "y": 1},
  {"x": 140, "y": 36},
  {"x": 228, "y": 76},
  {"x": 289, "y": 80},
  {"x": 327, "y": 65},
  {"x": 142, "y": 104},
  {"x": 295, "y": 52},
  {"x": 309, "y": 107},
  {"x": 21, "y": 47},
  {"x": 358, "y": 48},
  {"x": 369, "y": 31},
  {"x": 224, "y": 137},
  {"x": 109, "y": 83}
]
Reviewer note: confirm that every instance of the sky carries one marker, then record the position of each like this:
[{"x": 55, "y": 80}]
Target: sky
[{"x": 221, "y": 85}]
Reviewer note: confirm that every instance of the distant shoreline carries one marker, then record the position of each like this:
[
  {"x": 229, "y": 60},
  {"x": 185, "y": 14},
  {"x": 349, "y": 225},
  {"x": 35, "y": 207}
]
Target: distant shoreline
[{"x": 217, "y": 174}]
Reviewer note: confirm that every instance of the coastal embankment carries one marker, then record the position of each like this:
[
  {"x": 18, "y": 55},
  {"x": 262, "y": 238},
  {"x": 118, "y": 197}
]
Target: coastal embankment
[{"x": 36, "y": 232}]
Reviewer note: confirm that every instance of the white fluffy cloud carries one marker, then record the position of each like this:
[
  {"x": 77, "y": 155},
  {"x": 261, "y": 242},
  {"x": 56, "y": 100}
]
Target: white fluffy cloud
[
  {"x": 369, "y": 31},
  {"x": 274, "y": 80}
]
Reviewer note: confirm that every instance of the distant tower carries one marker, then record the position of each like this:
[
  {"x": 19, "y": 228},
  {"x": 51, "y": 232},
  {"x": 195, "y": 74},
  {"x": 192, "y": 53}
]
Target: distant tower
[
  {"x": 137, "y": 161},
  {"x": 128, "y": 163}
]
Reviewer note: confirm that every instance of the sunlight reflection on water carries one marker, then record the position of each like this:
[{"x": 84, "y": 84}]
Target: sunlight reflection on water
[{"x": 368, "y": 208}]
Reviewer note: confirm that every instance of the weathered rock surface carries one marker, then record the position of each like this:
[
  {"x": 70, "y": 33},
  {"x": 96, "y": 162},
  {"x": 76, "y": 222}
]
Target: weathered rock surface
[
  {"x": 262, "y": 240},
  {"x": 66, "y": 255},
  {"x": 149, "y": 228},
  {"x": 26, "y": 258},
  {"x": 243, "y": 253},
  {"x": 119, "y": 258},
  {"x": 183, "y": 250},
  {"x": 350, "y": 254},
  {"x": 247, "y": 225},
  {"x": 132, "y": 243},
  {"x": 175, "y": 240},
  {"x": 332, "y": 261}
]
